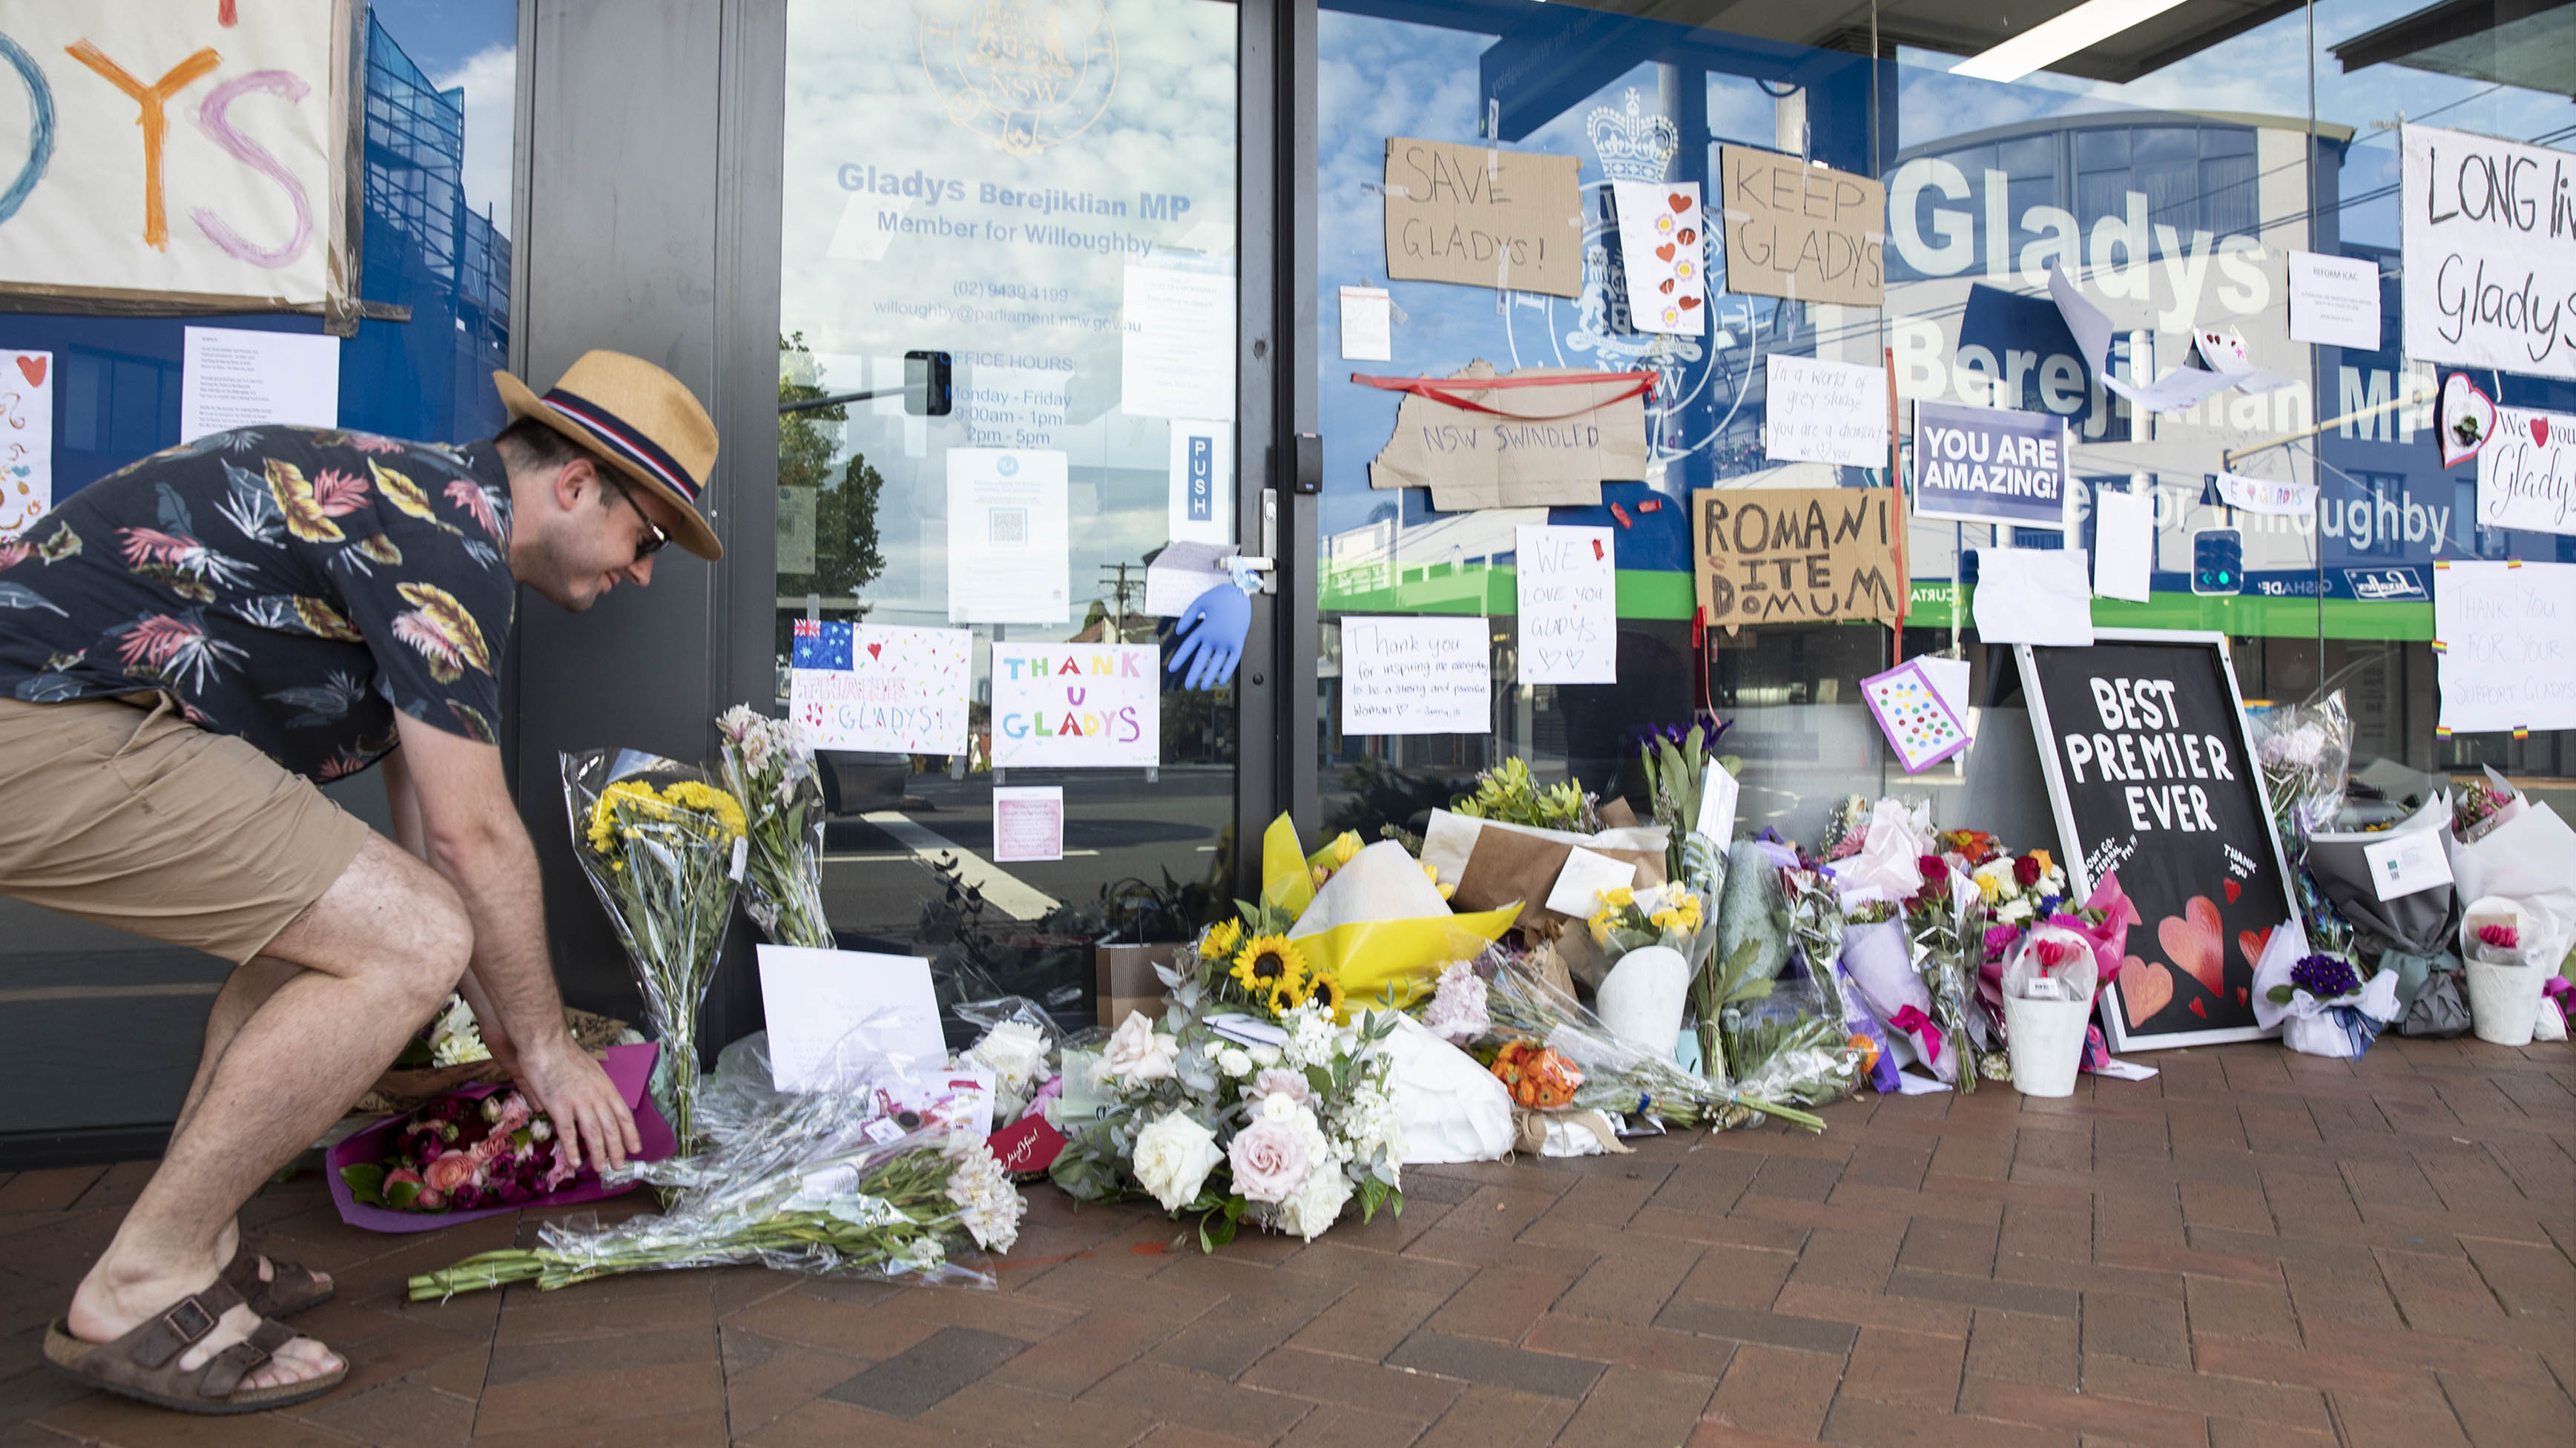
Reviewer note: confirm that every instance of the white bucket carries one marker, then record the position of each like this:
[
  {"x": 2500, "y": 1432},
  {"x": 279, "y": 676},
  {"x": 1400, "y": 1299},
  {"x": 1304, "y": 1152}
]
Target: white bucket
[
  {"x": 2045, "y": 1042},
  {"x": 2504, "y": 1001}
]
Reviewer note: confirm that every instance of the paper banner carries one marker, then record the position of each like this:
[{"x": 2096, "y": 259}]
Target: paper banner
[
  {"x": 1663, "y": 249},
  {"x": 2504, "y": 644},
  {"x": 1801, "y": 231},
  {"x": 2270, "y": 496},
  {"x": 1548, "y": 439},
  {"x": 1483, "y": 217},
  {"x": 1795, "y": 555},
  {"x": 2489, "y": 252},
  {"x": 876, "y": 687},
  {"x": 2527, "y": 473},
  {"x": 1077, "y": 706},
  {"x": 26, "y": 440}
]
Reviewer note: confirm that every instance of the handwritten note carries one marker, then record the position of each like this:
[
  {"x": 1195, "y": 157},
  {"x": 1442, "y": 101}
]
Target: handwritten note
[
  {"x": 876, "y": 687},
  {"x": 1550, "y": 445},
  {"x": 1426, "y": 675},
  {"x": 1795, "y": 230},
  {"x": 2527, "y": 472},
  {"x": 2504, "y": 637},
  {"x": 1825, "y": 412},
  {"x": 1569, "y": 608},
  {"x": 1077, "y": 706},
  {"x": 1483, "y": 217},
  {"x": 2490, "y": 252}
]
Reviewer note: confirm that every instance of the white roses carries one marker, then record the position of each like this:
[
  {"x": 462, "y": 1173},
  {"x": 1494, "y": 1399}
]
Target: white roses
[
  {"x": 1174, "y": 1156},
  {"x": 1136, "y": 1053}
]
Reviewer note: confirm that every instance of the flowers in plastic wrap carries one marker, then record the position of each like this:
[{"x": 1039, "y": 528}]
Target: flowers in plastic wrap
[
  {"x": 2320, "y": 1002},
  {"x": 2303, "y": 751},
  {"x": 767, "y": 766},
  {"x": 1793, "y": 1043},
  {"x": 1457, "y": 1011},
  {"x": 1248, "y": 1101},
  {"x": 664, "y": 859},
  {"x": 459, "y": 1153},
  {"x": 1946, "y": 926},
  {"x": 1376, "y": 932},
  {"x": 455, "y": 1039},
  {"x": 1019, "y": 1048}
]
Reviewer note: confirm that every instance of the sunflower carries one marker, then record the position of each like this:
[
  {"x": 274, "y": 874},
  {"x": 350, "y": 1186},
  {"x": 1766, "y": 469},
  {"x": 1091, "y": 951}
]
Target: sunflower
[
  {"x": 1268, "y": 963},
  {"x": 1286, "y": 995},
  {"x": 1325, "y": 991},
  {"x": 1221, "y": 940}
]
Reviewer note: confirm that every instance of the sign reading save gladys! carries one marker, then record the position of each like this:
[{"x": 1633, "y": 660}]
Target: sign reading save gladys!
[
  {"x": 1795, "y": 555},
  {"x": 875, "y": 687},
  {"x": 1077, "y": 706},
  {"x": 1801, "y": 231},
  {"x": 2142, "y": 740},
  {"x": 1483, "y": 217},
  {"x": 2490, "y": 247},
  {"x": 1989, "y": 465}
]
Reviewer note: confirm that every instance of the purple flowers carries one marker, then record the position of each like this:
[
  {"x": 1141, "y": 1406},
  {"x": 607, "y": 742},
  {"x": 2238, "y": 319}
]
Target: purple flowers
[{"x": 2324, "y": 976}]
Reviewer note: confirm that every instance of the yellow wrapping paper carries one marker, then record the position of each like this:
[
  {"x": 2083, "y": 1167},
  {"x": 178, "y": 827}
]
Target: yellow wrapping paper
[{"x": 1378, "y": 962}]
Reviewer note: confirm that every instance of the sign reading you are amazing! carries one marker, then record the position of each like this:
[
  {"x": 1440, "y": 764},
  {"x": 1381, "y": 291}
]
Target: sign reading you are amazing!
[{"x": 1795, "y": 555}]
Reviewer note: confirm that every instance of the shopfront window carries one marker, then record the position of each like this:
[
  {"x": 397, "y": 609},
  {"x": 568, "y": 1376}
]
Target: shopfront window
[
  {"x": 2169, "y": 171},
  {"x": 1006, "y": 383}
]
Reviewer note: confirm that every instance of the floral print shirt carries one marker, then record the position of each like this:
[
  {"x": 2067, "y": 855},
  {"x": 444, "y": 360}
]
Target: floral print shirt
[{"x": 291, "y": 586}]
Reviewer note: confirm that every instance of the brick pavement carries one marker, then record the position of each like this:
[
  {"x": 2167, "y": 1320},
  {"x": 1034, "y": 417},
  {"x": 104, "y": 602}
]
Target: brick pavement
[{"x": 2255, "y": 1248}]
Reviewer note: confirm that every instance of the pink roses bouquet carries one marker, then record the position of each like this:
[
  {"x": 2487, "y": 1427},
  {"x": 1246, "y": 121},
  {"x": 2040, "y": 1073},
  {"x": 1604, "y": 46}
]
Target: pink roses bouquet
[{"x": 461, "y": 1154}]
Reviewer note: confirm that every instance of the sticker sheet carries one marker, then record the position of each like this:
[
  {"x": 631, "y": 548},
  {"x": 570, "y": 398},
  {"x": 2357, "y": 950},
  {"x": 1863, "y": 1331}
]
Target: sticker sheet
[{"x": 1663, "y": 248}]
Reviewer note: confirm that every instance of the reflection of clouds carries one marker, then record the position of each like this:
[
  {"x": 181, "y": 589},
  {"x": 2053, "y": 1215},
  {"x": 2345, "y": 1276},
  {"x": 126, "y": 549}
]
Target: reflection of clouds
[{"x": 490, "y": 79}]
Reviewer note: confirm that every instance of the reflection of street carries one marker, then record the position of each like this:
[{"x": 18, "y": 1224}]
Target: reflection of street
[{"x": 1116, "y": 825}]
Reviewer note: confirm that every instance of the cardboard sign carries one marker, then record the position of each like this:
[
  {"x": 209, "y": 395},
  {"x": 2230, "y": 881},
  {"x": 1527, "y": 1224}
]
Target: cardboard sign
[
  {"x": 1554, "y": 447},
  {"x": 873, "y": 686},
  {"x": 2504, "y": 645},
  {"x": 1483, "y": 217},
  {"x": 2490, "y": 254},
  {"x": 1824, "y": 412},
  {"x": 2526, "y": 472},
  {"x": 1990, "y": 465},
  {"x": 2142, "y": 739},
  {"x": 1077, "y": 706},
  {"x": 1801, "y": 231},
  {"x": 1795, "y": 555}
]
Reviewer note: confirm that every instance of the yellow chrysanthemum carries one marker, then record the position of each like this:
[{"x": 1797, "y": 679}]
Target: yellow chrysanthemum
[
  {"x": 689, "y": 794},
  {"x": 1221, "y": 940},
  {"x": 634, "y": 794},
  {"x": 1266, "y": 962}
]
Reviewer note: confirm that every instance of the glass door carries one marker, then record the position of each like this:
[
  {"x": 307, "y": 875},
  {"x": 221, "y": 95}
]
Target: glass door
[{"x": 1007, "y": 383}]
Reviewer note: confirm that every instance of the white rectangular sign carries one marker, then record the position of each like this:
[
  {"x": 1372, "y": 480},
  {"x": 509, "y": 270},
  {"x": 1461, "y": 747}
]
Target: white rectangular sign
[
  {"x": 2526, "y": 472},
  {"x": 877, "y": 687},
  {"x": 2334, "y": 300},
  {"x": 1664, "y": 254},
  {"x": 1177, "y": 359},
  {"x": 816, "y": 999},
  {"x": 1569, "y": 609},
  {"x": 2034, "y": 596},
  {"x": 231, "y": 378},
  {"x": 1416, "y": 675},
  {"x": 1008, "y": 556},
  {"x": 26, "y": 439},
  {"x": 2490, "y": 250},
  {"x": 2504, "y": 636},
  {"x": 1368, "y": 325},
  {"x": 1077, "y": 706},
  {"x": 1824, "y": 412}
]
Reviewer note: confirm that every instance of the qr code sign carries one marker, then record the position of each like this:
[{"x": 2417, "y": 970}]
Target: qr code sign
[{"x": 1009, "y": 528}]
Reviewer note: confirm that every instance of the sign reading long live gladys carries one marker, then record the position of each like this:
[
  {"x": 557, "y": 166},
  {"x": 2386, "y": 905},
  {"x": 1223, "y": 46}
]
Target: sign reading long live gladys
[
  {"x": 874, "y": 687},
  {"x": 1077, "y": 706},
  {"x": 1989, "y": 465},
  {"x": 2490, "y": 239}
]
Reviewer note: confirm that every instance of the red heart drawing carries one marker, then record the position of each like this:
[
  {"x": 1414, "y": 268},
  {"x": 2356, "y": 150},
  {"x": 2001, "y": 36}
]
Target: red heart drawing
[
  {"x": 2252, "y": 943},
  {"x": 876, "y": 651},
  {"x": 2145, "y": 989},
  {"x": 2240, "y": 995},
  {"x": 1689, "y": 302},
  {"x": 1678, "y": 200},
  {"x": 2233, "y": 890},
  {"x": 2191, "y": 940},
  {"x": 34, "y": 368},
  {"x": 1667, "y": 287},
  {"x": 2539, "y": 428},
  {"x": 1664, "y": 252},
  {"x": 1688, "y": 236},
  {"x": 2200, "y": 1010}
]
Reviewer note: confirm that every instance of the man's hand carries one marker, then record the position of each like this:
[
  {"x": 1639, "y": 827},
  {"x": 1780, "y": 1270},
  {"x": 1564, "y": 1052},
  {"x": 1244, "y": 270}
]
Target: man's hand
[{"x": 591, "y": 1119}]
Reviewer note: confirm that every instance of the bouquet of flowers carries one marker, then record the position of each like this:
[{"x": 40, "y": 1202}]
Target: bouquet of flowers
[
  {"x": 664, "y": 860},
  {"x": 1019, "y": 1046},
  {"x": 458, "y": 1153},
  {"x": 2322, "y": 1005},
  {"x": 2483, "y": 805},
  {"x": 767, "y": 766},
  {"x": 1946, "y": 925},
  {"x": 2303, "y": 751},
  {"x": 1616, "y": 1077},
  {"x": 822, "y": 1184},
  {"x": 1246, "y": 1101},
  {"x": 1790, "y": 1043}
]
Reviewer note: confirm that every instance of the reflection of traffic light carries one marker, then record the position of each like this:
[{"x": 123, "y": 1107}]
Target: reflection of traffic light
[{"x": 2218, "y": 561}]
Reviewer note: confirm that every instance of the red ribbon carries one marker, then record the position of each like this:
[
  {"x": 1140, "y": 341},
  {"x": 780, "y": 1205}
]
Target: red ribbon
[{"x": 1444, "y": 390}]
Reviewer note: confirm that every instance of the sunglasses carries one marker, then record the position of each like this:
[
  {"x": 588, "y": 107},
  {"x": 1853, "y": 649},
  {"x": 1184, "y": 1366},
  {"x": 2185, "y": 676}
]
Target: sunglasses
[{"x": 654, "y": 539}]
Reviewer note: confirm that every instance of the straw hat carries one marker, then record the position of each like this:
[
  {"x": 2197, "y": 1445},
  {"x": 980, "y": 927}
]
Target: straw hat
[{"x": 638, "y": 417}]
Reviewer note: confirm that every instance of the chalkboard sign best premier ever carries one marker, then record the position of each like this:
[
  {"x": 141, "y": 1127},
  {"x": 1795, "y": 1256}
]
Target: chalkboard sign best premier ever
[{"x": 2142, "y": 737}]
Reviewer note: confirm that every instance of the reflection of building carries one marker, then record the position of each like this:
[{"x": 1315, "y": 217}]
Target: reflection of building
[{"x": 1374, "y": 555}]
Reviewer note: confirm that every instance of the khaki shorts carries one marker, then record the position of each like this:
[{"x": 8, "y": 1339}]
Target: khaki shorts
[{"x": 126, "y": 814}]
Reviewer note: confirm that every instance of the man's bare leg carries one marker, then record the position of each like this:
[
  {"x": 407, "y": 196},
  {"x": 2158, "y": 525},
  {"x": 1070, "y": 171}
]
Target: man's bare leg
[
  {"x": 377, "y": 952},
  {"x": 245, "y": 991}
]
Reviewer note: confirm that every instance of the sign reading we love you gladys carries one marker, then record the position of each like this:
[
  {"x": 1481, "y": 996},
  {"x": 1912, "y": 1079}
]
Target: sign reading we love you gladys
[{"x": 1077, "y": 706}]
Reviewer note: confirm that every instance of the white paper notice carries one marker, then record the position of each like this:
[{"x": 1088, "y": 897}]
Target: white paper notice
[
  {"x": 2407, "y": 864},
  {"x": 1007, "y": 527},
  {"x": 814, "y": 999},
  {"x": 233, "y": 379},
  {"x": 2504, "y": 640},
  {"x": 1202, "y": 496},
  {"x": 1578, "y": 887},
  {"x": 2034, "y": 596},
  {"x": 1663, "y": 250},
  {"x": 1569, "y": 580},
  {"x": 1368, "y": 325},
  {"x": 1077, "y": 706},
  {"x": 1825, "y": 412},
  {"x": 1178, "y": 357},
  {"x": 1180, "y": 573},
  {"x": 26, "y": 440},
  {"x": 879, "y": 687},
  {"x": 2124, "y": 544},
  {"x": 2527, "y": 471},
  {"x": 1717, "y": 794},
  {"x": 1028, "y": 824},
  {"x": 1416, "y": 675},
  {"x": 2488, "y": 252},
  {"x": 2334, "y": 300}
]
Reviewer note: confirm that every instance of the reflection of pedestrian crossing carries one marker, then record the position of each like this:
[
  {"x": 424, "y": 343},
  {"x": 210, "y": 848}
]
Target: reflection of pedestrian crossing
[
  {"x": 887, "y": 857},
  {"x": 108, "y": 992},
  {"x": 1005, "y": 891}
]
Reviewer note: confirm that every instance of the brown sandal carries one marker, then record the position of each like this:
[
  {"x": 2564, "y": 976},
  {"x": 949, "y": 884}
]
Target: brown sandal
[
  {"x": 144, "y": 1363},
  {"x": 289, "y": 1289}
]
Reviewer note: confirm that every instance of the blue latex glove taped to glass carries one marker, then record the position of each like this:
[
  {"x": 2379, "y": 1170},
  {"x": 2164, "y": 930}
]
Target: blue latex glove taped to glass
[{"x": 1211, "y": 631}]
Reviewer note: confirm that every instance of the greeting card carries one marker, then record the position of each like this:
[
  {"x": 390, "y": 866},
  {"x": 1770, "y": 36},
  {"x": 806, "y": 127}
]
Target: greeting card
[{"x": 1919, "y": 726}]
